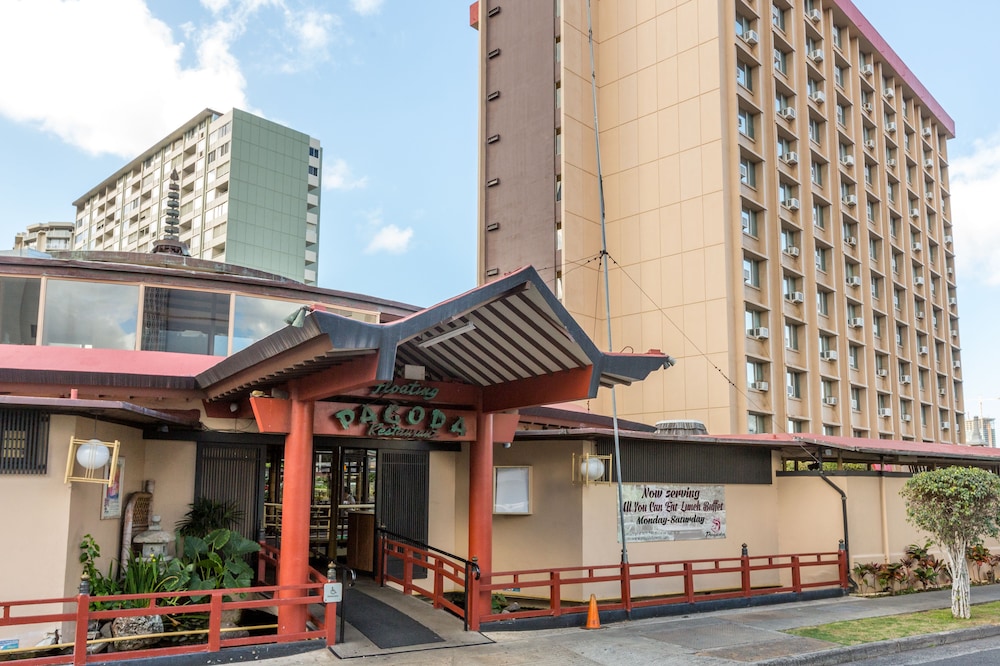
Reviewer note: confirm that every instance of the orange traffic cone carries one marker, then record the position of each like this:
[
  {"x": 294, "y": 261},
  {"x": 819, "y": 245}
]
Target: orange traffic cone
[{"x": 593, "y": 619}]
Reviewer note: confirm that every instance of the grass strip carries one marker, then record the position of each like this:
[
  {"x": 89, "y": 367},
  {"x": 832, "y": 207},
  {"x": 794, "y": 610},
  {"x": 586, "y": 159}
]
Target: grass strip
[{"x": 872, "y": 629}]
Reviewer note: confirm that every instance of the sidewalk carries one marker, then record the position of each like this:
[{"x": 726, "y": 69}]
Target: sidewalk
[{"x": 738, "y": 636}]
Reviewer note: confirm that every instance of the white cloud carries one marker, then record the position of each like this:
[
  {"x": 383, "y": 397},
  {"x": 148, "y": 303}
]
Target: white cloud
[
  {"x": 975, "y": 181},
  {"x": 312, "y": 32},
  {"x": 337, "y": 176},
  {"x": 391, "y": 239},
  {"x": 107, "y": 76},
  {"x": 366, "y": 7}
]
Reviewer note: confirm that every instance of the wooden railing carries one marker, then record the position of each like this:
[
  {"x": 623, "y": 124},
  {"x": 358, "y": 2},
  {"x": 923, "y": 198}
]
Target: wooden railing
[
  {"x": 445, "y": 572},
  {"x": 664, "y": 583},
  {"x": 173, "y": 605},
  {"x": 621, "y": 587}
]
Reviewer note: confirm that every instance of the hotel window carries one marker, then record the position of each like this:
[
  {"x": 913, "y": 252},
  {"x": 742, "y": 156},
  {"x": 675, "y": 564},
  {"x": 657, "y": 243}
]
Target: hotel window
[
  {"x": 756, "y": 423},
  {"x": 855, "y": 399},
  {"x": 878, "y": 325},
  {"x": 754, "y": 319},
  {"x": 823, "y": 302},
  {"x": 835, "y": 35},
  {"x": 559, "y": 188},
  {"x": 838, "y": 76},
  {"x": 819, "y": 215},
  {"x": 744, "y": 75},
  {"x": 826, "y": 343},
  {"x": 853, "y": 311},
  {"x": 778, "y": 17},
  {"x": 876, "y": 288},
  {"x": 751, "y": 272},
  {"x": 815, "y": 130},
  {"x": 558, "y": 141},
  {"x": 813, "y": 86},
  {"x": 792, "y": 336},
  {"x": 900, "y": 334},
  {"x": 786, "y": 191},
  {"x": 846, "y": 190},
  {"x": 783, "y": 146},
  {"x": 743, "y": 24},
  {"x": 822, "y": 257},
  {"x": 891, "y": 193},
  {"x": 797, "y": 425},
  {"x": 816, "y": 173},
  {"x": 830, "y": 430},
  {"x": 828, "y": 389},
  {"x": 882, "y": 401},
  {"x": 748, "y": 172},
  {"x": 793, "y": 382},
  {"x": 313, "y": 171},
  {"x": 871, "y": 210},
  {"x": 781, "y": 101},
  {"x": 841, "y": 115},
  {"x": 781, "y": 61},
  {"x": 790, "y": 285},
  {"x": 897, "y": 299},
  {"x": 313, "y": 152},
  {"x": 893, "y": 226},
  {"x": 745, "y": 123},
  {"x": 749, "y": 221},
  {"x": 756, "y": 372},
  {"x": 854, "y": 356},
  {"x": 789, "y": 239},
  {"x": 874, "y": 248}
]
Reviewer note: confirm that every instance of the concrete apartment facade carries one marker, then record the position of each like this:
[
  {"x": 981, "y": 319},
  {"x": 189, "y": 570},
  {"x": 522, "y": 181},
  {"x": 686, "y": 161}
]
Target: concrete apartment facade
[
  {"x": 249, "y": 196},
  {"x": 45, "y": 236},
  {"x": 776, "y": 196}
]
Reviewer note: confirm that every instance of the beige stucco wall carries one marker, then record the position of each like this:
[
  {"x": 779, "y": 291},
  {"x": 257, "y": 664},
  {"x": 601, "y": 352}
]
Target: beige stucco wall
[
  {"x": 52, "y": 517},
  {"x": 812, "y": 519}
]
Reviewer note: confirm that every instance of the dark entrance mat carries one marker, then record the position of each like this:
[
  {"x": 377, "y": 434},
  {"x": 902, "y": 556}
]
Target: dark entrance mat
[{"x": 382, "y": 624}]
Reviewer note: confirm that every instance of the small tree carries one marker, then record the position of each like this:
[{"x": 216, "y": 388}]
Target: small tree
[{"x": 958, "y": 506}]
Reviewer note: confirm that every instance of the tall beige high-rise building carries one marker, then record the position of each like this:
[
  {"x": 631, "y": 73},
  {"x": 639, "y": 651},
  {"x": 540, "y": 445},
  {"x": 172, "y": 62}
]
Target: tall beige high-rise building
[
  {"x": 776, "y": 199},
  {"x": 249, "y": 196}
]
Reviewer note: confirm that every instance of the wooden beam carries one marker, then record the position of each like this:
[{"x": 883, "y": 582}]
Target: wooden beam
[{"x": 561, "y": 386}]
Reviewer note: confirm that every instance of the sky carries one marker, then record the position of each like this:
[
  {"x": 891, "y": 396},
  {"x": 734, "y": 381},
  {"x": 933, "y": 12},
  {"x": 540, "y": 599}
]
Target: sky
[{"x": 390, "y": 89}]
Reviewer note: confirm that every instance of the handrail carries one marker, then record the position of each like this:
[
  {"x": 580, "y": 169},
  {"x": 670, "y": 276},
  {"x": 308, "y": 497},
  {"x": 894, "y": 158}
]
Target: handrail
[{"x": 422, "y": 545}]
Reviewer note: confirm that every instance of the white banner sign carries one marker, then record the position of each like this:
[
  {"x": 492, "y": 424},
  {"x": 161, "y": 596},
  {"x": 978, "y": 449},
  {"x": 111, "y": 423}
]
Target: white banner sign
[{"x": 673, "y": 513}]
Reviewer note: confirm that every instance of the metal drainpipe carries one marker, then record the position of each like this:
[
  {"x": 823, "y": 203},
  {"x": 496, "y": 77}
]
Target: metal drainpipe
[{"x": 847, "y": 543}]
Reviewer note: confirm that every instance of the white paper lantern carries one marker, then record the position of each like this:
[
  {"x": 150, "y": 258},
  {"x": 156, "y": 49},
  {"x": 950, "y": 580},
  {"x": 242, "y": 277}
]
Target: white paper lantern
[
  {"x": 93, "y": 454},
  {"x": 592, "y": 469}
]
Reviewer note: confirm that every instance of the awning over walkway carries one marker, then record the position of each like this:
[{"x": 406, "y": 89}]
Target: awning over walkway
[{"x": 511, "y": 338}]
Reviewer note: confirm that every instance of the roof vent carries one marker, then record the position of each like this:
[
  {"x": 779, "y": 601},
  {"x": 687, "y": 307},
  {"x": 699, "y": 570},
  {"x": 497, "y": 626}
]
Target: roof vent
[{"x": 680, "y": 427}]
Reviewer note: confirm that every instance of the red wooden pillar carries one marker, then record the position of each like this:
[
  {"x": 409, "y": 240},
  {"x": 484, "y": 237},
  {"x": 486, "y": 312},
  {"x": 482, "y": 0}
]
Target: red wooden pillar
[
  {"x": 481, "y": 508},
  {"x": 295, "y": 507}
]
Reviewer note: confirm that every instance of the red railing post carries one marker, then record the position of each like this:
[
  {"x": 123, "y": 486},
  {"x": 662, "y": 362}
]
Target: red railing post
[
  {"x": 261, "y": 563},
  {"x": 796, "y": 574},
  {"x": 215, "y": 622},
  {"x": 689, "y": 582},
  {"x": 438, "y": 583},
  {"x": 555, "y": 593},
  {"x": 626, "y": 573},
  {"x": 82, "y": 620},
  {"x": 745, "y": 570}
]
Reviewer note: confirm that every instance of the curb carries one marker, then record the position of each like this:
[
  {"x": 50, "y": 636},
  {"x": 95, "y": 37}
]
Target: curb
[{"x": 845, "y": 655}]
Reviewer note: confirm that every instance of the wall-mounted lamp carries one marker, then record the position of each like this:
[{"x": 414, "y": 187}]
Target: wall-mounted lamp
[
  {"x": 448, "y": 335},
  {"x": 87, "y": 459},
  {"x": 590, "y": 468}
]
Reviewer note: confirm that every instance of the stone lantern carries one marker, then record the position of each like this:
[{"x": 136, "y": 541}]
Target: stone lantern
[{"x": 154, "y": 540}]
